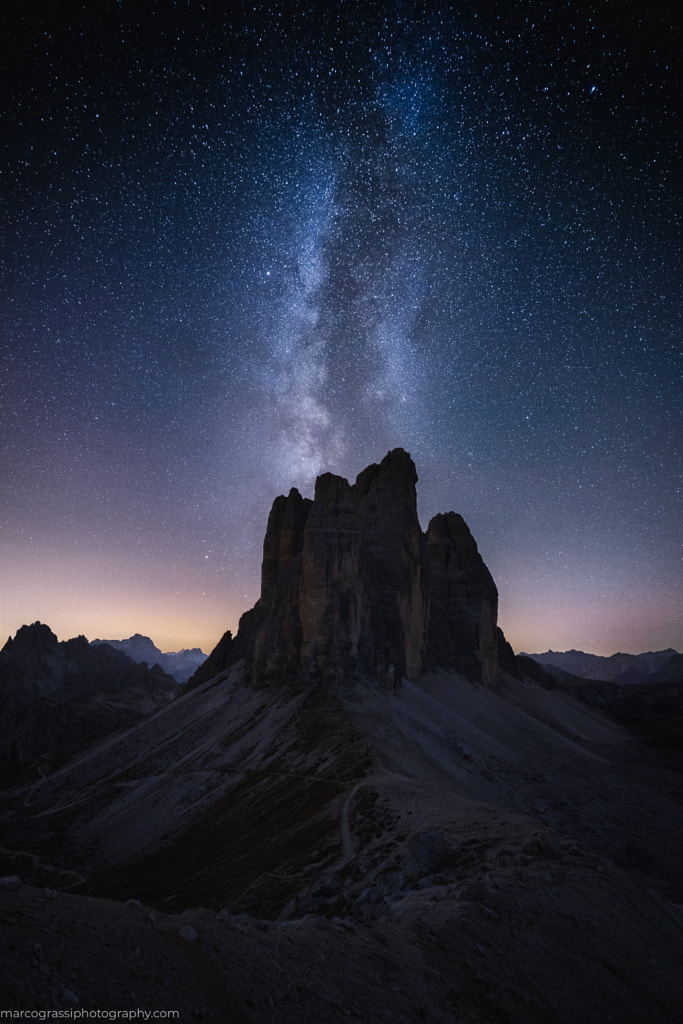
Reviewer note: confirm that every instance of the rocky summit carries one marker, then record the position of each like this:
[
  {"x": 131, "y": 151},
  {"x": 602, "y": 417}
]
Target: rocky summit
[
  {"x": 362, "y": 807},
  {"x": 352, "y": 587}
]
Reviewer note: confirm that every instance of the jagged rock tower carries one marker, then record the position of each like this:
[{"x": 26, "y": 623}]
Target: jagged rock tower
[{"x": 351, "y": 586}]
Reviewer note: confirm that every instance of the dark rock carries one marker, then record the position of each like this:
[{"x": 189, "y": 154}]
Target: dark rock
[
  {"x": 392, "y": 883},
  {"x": 284, "y": 539},
  {"x": 10, "y": 882},
  {"x": 428, "y": 852},
  {"x": 507, "y": 659},
  {"x": 330, "y": 885},
  {"x": 635, "y": 858},
  {"x": 217, "y": 662},
  {"x": 671, "y": 671},
  {"x": 464, "y": 601},
  {"x": 276, "y": 647},
  {"x": 430, "y": 881},
  {"x": 544, "y": 846},
  {"x": 68, "y": 998},
  {"x": 479, "y": 892},
  {"x": 342, "y": 589},
  {"x": 533, "y": 670},
  {"x": 363, "y": 603},
  {"x": 351, "y": 586}
]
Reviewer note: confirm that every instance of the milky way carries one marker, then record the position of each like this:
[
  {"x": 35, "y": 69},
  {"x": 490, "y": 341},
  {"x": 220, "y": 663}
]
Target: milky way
[{"x": 243, "y": 249}]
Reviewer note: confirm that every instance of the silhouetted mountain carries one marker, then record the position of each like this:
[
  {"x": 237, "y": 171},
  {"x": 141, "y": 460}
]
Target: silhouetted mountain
[
  {"x": 671, "y": 671},
  {"x": 181, "y": 664},
  {"x": 362, "y": 805},
  {"x": 618, "y": 668},
  {"x": 56, "y": 697},
  {"x": 217, "y": 661},
  {"x": 644, "y": 691},
  {"x": 351, "y": 586}
]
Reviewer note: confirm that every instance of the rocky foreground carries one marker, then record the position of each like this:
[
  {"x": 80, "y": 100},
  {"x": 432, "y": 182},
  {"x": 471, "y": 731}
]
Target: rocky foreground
[{"x": 542, "y": 934}]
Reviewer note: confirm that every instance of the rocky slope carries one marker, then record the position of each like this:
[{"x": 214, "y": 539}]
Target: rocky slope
[
  {"x": 358, "y": 813},
  {"x": 57, "y": 697},
  {"x": 179, "y": 664},
  {"x": 549, "y": 939},
  {"x": 643, "y": 691},
  {"x": 439, "y": 851}
]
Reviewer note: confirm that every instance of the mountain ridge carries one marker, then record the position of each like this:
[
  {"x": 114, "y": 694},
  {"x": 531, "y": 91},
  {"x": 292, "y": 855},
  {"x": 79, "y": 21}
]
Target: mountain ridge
[
  {"x": 56, "y": 697},
  {"x": 179, "y": 664},
  {"x": 617, "y": 667}
]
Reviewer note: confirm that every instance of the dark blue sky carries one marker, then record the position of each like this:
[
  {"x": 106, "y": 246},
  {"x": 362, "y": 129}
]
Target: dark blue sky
[{"x": 245, "y": 244}]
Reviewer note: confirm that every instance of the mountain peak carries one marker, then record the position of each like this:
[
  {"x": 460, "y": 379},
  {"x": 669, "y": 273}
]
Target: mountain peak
[
  {"x": 350, "y": 586},
  {"x": 34, "y": 638},
  {"x": 180, "y": 664}
]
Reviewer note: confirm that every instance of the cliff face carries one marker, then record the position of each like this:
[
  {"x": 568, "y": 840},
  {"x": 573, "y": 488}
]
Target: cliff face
[
  {"x": 363, "y": 601},
  {"x": 276, "y": 630},
  {"x": 350, "y": 585},
  {"x": 463, "y": 601}
]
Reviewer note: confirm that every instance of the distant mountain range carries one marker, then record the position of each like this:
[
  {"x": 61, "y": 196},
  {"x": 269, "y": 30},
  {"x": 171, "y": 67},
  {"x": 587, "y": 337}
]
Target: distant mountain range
[
  {"x": 652, "y": 666},
  {"x": 181, "y": 664}
]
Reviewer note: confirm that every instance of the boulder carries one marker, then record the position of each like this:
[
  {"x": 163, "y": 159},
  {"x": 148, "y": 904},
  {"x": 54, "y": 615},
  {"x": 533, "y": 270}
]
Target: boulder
[{"x": 428, "y": 851}]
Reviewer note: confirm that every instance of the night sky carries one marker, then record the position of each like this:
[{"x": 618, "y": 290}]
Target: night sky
[{"x": 246, "y": 244}]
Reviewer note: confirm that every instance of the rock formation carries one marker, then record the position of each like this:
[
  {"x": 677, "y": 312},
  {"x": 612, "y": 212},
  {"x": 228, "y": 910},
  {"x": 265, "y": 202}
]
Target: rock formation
[
  {"x": 351, "y": 586},
  {"x": 56, "y": 697},
  {"x": 216, "y": 662},
  {"x": 463, "y": 601}
]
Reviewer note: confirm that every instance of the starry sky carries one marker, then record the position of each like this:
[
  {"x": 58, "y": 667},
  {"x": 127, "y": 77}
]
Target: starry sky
[{"x": 247, "y": 243}]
